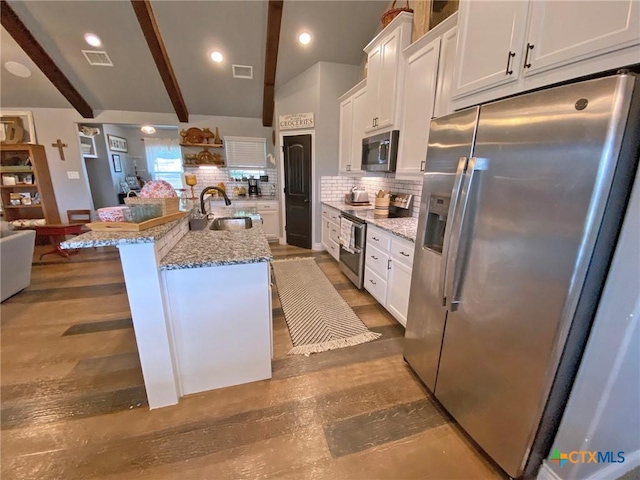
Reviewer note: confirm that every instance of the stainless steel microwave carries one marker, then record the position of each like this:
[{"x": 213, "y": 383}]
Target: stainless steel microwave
[{"x": 380, "y": 152}]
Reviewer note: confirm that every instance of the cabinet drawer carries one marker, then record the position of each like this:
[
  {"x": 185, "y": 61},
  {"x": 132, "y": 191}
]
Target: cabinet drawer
[
  {"x": 402, "y": 250},
  {"x": 375, "y": 285},
  {"x": 334, "y": 232},
  {"x": 377, "y": 260},
  {"x": 331, "y": 214},
  {"x": 333, "y": 248},
  {"x": 267, "y": 206},
  {"x": 378, "y": 239}
]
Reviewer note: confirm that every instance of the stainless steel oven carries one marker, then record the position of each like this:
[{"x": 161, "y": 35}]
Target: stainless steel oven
[{"x": 352, "y": 263}]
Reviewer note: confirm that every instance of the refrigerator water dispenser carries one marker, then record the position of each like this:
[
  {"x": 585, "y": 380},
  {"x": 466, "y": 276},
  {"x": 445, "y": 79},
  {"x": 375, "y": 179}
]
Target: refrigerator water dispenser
[{"x": 436, "y": 222}]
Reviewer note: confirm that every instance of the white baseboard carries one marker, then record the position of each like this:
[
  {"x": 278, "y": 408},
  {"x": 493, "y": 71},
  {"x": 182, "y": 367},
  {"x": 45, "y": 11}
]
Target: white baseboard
[
  {"x": 282, "y": 240},
  {"x": 612, "y": 470},
  {"x": 317, "y": 246}
]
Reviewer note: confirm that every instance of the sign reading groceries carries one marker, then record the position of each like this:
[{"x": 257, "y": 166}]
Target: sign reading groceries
[{"x": 296, "y": 121}]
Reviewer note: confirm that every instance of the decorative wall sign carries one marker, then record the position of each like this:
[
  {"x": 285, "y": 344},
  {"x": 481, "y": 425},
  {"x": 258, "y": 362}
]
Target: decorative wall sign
[
  {"x": 117, "y": 166},
  {"x": 296, "y": 121},
  {"x": 117, "y": 144}
]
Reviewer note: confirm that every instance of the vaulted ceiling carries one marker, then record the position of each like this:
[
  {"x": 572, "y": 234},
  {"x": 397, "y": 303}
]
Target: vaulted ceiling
[{"x": 190, "y": 30}]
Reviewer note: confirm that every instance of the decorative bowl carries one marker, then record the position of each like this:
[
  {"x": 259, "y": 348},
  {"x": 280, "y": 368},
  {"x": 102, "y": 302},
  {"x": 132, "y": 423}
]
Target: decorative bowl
[{"x": 112, "y": 214}]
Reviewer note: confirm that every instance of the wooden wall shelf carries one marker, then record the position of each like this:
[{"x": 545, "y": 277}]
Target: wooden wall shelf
[
  {"x": 204, "y": 145},
  {"x": 15, "y": 159}
]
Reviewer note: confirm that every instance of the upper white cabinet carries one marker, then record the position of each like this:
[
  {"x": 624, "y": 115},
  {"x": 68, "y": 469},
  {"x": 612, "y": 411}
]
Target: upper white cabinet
[
  {"x": 352, "y": 118},
  {"x": 490, "y": 45},
  {"x": 563, "y": 32},
  {"x": 508, "y": 47},
  {"x": 385, "y": 74},
  {"x": 429, "y": 64}
]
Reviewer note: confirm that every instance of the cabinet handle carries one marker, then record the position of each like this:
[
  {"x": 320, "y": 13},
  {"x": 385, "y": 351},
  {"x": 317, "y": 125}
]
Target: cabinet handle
[
  {"x": 404, "y": 254},
  {"x": 375, "y": 258},
  {"x": 511, "y": 55},
  {"x": 327, "y": 224},
  {"x": 373, "y": 122},
  {"x": 348, "y": 168},
  {"x": 422, "y": 165},
  {"x": 372, "y": 282},
  {"x": 374, "y": 238},
  {"x": 527, "y": 64},
  {"x": 389, "y": 264}
]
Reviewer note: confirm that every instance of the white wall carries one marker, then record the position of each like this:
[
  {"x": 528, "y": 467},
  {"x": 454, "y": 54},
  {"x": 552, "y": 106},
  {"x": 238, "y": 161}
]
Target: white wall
[
  {"x": 603, "y": 411},
  {"x": 60, "y": 123},
  {"x": 317, "y": 90}
]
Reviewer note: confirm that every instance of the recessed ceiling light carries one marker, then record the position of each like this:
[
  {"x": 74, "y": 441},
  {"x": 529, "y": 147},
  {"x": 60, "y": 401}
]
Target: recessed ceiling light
[
  {"x": 18, "y": 69},
  {"x": 304, "y": 38},
  {"x": 216, "y": 57},
  {"x": 92, "y": 39},
  {"x": 148, "y": 129}
]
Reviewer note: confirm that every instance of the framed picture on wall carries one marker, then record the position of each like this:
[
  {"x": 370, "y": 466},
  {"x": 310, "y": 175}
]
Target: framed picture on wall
[
  {"x": 117, "y": 166},
  {"x": 16, "y": 127},
  {"x": 117, "y": 144}
]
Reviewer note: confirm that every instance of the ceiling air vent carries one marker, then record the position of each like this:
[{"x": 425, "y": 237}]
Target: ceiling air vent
[
  {"x": 97, "y": 58},
  {"x": 242, "y": 71}
]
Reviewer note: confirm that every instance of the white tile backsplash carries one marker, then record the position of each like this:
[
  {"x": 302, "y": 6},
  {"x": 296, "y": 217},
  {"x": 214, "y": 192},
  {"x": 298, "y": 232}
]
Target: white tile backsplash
[
  {"x": 212, "y": 176},
  {"x": 333, "y": 189}
]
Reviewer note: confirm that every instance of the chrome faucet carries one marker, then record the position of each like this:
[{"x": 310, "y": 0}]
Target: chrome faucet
[{"x": 205, "y": 190}]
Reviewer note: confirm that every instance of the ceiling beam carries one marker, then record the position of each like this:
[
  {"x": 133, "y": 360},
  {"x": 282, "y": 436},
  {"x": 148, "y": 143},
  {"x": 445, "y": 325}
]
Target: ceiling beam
[
  {"x": 151, "y": 32},
  {"x": 274, "y": 21},
  {"x": 23, "y": 37}
]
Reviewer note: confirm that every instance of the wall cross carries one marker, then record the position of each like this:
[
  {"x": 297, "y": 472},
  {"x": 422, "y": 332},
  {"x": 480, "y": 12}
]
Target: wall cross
[{"x": 60, "y": 146}]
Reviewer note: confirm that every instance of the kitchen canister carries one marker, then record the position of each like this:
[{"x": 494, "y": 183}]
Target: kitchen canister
[{"x": 381, "y": 206}]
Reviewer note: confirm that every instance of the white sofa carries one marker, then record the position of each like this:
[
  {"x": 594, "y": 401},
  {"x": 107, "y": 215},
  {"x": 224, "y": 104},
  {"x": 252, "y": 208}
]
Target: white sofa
[{"x": 16, "y": 254}]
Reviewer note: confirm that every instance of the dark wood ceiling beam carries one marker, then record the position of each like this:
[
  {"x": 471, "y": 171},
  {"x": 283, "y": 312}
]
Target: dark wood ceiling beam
[
  {"x": 274, "y": 21},
  {"x": 151, "y": 32},
  {"x": 23, "y": 37}
]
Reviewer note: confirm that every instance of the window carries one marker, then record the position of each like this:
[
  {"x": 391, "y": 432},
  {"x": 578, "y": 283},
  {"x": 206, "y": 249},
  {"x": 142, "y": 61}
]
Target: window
[
  {"x": 164, "y": 160},
  {"x": 246, "y": 152}
]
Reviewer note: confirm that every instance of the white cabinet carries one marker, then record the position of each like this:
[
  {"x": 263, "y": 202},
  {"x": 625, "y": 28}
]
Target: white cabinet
[
  {"x": 385, "y": 74},
  {"x": 563, "y": 32},
  {"x": 352, "y": 118},
  {"x": 513, "y": 46},
  {"x": 398, "y": 288},
  {"x": 490, "y": 45},
  {"x": 331, "y": 231},
  {"x": 270, "y": 223},
  {"x": 387, "y": 273},
  {"x": 428, "y": 73}
]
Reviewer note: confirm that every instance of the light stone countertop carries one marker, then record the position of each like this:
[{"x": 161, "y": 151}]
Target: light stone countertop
[
  {"x": 406, "y": 227},
  {"x": 210, "y": 248},
  {"x": 106, "y": 239}
]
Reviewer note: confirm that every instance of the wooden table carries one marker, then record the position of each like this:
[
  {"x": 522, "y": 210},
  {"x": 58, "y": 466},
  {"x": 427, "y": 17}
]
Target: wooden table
[{"x": 57, "y": 231}]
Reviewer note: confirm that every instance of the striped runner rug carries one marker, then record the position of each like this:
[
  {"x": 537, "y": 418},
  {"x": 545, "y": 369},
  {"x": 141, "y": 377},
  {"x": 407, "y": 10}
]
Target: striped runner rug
[{"x": 317, "y": 316}]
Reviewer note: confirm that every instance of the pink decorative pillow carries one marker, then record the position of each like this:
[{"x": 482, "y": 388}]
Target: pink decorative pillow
[{"x": 157, "y": 189}]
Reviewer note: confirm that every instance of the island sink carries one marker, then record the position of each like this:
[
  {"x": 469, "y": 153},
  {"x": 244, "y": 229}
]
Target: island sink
[{"x": 231, "y": 223}]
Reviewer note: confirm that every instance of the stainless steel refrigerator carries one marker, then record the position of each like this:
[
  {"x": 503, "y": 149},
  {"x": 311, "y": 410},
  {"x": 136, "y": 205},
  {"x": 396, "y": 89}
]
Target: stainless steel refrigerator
[{"x": 522, "y": 203}]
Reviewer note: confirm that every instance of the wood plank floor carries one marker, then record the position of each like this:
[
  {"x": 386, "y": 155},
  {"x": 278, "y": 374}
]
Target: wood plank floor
[{"x": 74, "y": 404}]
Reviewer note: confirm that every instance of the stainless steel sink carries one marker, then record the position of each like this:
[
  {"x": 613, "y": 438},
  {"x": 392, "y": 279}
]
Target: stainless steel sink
[{"x": 231, "y": 223}]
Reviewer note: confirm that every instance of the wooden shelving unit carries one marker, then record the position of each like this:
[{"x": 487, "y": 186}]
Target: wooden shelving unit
[{"x": 27, "y": 162}]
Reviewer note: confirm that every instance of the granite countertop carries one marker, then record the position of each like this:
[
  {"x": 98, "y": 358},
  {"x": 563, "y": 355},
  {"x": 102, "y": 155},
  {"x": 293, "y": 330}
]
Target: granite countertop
[
  {"x": 406, "y": 227},
  {"x": 210, "y": 248},
  {"x": 106, "y": 239}
]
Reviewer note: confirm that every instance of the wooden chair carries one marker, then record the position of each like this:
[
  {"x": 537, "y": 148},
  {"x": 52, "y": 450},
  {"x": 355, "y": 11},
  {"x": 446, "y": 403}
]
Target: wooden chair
[{"x": 79, "y": 216}]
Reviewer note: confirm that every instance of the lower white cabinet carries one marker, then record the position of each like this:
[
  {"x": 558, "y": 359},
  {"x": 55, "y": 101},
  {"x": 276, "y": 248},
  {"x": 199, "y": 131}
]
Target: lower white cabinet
[
  {"x": 331, "y": 231},
  {"x": 387, "y": 273},
  {"x": 270, "y": 219}
]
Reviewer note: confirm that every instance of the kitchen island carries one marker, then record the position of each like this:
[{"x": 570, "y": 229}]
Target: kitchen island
[{"x": 200, "y": 303}]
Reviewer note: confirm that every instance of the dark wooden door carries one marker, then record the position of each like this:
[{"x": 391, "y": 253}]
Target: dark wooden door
[{"x": 297, "y": 189}]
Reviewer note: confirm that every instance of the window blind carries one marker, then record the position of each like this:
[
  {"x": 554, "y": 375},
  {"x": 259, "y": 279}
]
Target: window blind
[{"x": 246, "y": 151}]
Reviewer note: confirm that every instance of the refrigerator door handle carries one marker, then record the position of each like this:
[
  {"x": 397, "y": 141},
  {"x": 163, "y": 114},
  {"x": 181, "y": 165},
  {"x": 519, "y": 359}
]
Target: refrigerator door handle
[
  {"x": 455, "y": 195},
  {"x": 456, "y": 240}
]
